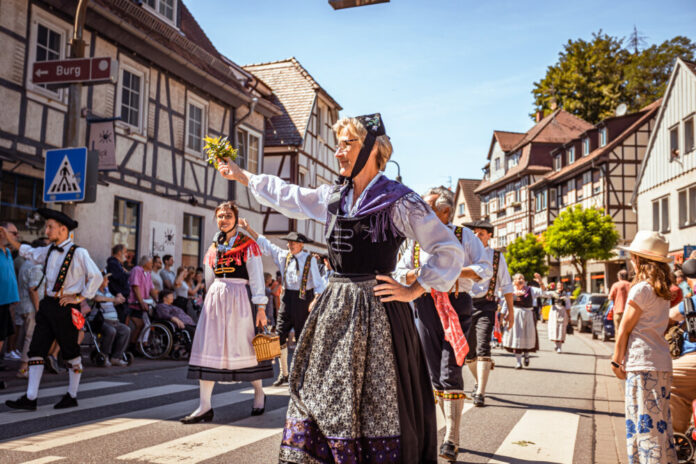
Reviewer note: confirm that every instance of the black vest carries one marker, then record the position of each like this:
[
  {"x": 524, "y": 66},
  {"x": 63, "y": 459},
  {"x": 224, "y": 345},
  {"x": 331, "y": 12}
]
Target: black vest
[
  {"x": 231, "y": 271},
  {"x": 352, "y": 251}
]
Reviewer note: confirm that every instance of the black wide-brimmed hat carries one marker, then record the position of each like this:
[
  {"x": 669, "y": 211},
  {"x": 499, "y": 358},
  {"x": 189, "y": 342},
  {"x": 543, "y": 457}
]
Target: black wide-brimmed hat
[
  {"x": 689, "y": 268},
  {"x": 58, "y": 216},
  {"x": 485, "y": 225},
  {"x": 296, "y": 237}
]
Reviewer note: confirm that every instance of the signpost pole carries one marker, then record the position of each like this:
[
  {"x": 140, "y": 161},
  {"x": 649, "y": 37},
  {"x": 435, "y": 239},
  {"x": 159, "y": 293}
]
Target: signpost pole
[{"x": 77, "y": 50}]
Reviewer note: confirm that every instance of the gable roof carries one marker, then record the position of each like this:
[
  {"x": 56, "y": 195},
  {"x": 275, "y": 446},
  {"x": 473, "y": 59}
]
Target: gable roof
[
  {"x": 294, "y": 92},
  {"x": 473, "y": 202},
  {"x": 506, "y": 140},
  {"x": 645, "y": 113},
  {"x": 556, "y": 128},
  {"x": 651, "y": 141}
]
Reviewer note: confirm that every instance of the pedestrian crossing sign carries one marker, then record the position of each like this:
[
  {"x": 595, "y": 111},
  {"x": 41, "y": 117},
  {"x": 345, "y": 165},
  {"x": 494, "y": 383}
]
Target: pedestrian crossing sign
[{"x": 64, "y": 175}]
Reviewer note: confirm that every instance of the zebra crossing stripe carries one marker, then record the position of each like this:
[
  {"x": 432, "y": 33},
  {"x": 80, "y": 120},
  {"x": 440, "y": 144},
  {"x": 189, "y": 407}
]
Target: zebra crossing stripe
[
  {"x": 540, "y": 436},
  {"x": 123, "y": 422},
  {"x": 97, "y": 402},
  {"x": 44, "y": 460},
  {"x": 56, "y": 391},
  {"x": 213, "y": 442}
]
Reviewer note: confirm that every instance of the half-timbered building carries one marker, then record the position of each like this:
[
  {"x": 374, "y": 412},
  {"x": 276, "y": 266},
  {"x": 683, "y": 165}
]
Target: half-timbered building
[
  {"x": 299, "y": 142},
  {"x": 516, "y": 161},
  {"x": 665, "y": 193},
  {"x": 173, "y": 88},
  {"x": 467, "y": 206},
  {"x": 596, "y": 169}
]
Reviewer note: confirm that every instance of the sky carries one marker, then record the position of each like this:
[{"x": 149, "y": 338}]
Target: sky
[{"x": 443, "y": 73}]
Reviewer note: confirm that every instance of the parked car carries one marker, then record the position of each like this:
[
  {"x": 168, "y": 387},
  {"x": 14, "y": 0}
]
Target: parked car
[
  {"x": 583, "y": 307},
  {"x": 603, "y": 322}
]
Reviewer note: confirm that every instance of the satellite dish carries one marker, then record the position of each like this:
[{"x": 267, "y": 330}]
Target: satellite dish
[{"x": 621, "y": 109}]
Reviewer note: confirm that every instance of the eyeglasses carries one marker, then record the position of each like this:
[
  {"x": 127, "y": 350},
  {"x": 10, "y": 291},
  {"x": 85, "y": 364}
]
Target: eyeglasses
[
  {"x": 228, "y": 217},
  {"x": 343, "y": 144}
]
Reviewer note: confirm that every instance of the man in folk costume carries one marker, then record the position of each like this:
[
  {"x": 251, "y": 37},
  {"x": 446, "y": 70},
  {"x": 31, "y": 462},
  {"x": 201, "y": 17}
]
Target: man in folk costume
[
  {"x": 70, "y": 277},
  {"x": 485, "y": 295},
  {"x": 442, "y": 319},
  {"x": 302, "y": 285}
]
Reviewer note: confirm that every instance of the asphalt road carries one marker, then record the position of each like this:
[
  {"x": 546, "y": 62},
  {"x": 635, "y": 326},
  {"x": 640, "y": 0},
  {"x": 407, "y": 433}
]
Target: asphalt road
[{"x": 540, "y": 414}]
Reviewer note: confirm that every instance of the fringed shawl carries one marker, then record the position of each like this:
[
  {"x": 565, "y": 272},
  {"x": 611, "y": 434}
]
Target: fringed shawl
[{"x": 242, "y": 248}]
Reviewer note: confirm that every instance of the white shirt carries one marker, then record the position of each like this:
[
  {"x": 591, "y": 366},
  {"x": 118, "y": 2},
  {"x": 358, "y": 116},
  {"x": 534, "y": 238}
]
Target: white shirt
[
  {"x": 475, "y": 258},
  {"x": 647, "y": 348},
  {"x": 410, "y": 216},
  {"x": 292, "y": 276},
  {"x": 503, "y": 285},
  {"x": 156, "y": 280},
  {"x": 83, "y": 277}
]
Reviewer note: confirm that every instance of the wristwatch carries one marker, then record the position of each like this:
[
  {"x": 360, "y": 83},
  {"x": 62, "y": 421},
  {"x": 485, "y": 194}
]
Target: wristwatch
[{"x": 615, "y": 364}]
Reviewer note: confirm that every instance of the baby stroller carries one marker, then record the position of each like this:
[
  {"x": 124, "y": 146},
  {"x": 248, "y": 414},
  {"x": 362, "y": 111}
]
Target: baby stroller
[{"x": 93, "y": 338}]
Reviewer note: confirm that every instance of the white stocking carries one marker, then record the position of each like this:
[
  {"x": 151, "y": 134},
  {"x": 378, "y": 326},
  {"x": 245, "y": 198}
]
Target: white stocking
[
  {"x": 74, "y": 375},
  {"x": 35, "y": 373},
  {"x": 453, "y": 417},
  {"x": 518, "y": 357},
  {"x": 471, "y": 363},
  {"x": 259, "y": 396},
  {"x": 484, "y": 368},
  {"x": 284, "y": 362},
  {"x": 206, "y": 393}
]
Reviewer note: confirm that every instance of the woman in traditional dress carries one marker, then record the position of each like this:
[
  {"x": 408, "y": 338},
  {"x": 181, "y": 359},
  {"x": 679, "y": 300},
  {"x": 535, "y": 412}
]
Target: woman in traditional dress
[
  {"x": 359, "y": 386},
  {"x": 222, "y": 347},
  {"x": 522, "y": 339},
  {"x": 559, "y": 316}
]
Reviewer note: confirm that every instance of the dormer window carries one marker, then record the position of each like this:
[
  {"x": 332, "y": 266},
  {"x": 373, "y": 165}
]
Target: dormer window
[
  {"x": 571, "y": 155},
  {"x": 557, "y": 163},
  {"x": 165, "y": 9},
  {"x": 603, "y": 136},
  {"x": 497, "y": 164},
  {"x": 585, "y": 146}
]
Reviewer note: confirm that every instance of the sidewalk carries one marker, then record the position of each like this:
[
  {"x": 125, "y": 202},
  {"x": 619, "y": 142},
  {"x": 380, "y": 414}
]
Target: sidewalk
[{"x": 609, "y": 419}]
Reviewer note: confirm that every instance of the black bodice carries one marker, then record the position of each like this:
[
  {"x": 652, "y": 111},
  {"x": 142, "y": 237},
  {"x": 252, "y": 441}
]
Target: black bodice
[
  {"x": 524, "y": 301},
  {"x": 352, "y": 250},
  {"x": 231, "y": 270}
]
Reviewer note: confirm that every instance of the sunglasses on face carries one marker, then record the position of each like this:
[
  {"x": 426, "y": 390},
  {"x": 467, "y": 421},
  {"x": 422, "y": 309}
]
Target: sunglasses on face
[{"x": 343, "y": 144}]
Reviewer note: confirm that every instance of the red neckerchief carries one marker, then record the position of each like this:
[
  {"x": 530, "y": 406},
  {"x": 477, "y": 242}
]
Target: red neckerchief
[{"x": 450, "y": 323}]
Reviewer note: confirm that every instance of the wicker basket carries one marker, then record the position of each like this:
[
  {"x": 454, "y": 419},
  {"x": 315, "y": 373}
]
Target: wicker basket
[{"x": 266, "y": 346}]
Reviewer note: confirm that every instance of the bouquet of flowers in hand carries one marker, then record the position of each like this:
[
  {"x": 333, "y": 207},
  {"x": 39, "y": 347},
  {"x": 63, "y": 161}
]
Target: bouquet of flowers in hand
[{"x": 218, "y": 149}]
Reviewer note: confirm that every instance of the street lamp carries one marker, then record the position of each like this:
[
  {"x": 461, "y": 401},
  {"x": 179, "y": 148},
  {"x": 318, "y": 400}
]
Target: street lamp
[
  {"x": 398, "y": 171},
  {"x": 340, "y": 4}
]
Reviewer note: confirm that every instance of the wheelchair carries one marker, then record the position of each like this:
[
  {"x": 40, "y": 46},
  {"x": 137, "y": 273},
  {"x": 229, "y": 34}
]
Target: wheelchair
[{"x": 161, "y": 338}]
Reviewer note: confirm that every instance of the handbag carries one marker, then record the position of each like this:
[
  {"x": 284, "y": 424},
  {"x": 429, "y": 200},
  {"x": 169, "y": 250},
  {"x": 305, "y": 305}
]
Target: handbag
[
  {"x": 569, "y": 329},
  {"x": 266, "y": 345}
]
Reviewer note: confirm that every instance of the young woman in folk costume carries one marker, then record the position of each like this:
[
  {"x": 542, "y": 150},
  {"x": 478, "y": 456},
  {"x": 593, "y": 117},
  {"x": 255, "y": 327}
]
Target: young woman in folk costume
[
  {"x": 359, "y": 386},
  {"x": 222, "y": 347},
  {"x": 522, "y": 339}
]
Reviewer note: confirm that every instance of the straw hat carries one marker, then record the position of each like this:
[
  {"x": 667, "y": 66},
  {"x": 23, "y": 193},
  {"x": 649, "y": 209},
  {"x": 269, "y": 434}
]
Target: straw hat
[{"x": 650, "y": 245}]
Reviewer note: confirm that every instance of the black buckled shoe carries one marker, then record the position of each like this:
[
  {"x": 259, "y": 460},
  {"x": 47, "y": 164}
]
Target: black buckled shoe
[
  {"x": 65, "y": 402},
  {"x": 205, "y": 417},
  {"x": 259, "y": 411},
  {"x": 479, "y": 400},
  {"x": 449, "y": 451},
  {"x": 526, "y": 361},
  {"x": 22, "y": 403},
  {"x": 281, "y": 380}
]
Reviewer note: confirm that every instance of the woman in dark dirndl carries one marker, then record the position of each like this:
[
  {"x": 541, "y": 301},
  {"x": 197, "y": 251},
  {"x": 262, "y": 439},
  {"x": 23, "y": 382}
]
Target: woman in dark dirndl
[
  {"x": 222, "y": 349},
  {"x": 359, "y": 385}
]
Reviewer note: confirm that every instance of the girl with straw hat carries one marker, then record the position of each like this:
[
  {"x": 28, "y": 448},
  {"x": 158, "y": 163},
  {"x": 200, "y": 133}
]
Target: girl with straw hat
[{"x": 641, "y": 354}]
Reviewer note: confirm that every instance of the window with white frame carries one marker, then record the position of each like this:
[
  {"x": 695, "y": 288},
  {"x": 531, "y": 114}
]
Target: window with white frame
[
  {"x": 541, "y": 198},
  {"x": 585, "y": 146},
  {"x": 462, "y": 209},
  {"x": 674, "y": 142},
  {"x": 586, "y": 177},
  {"x": 571, "y": 155},
  {"x": 196, "y": 123},
  {"x": 165, "y": 9},
  {"x": 249, "y": 146},
  {"x": 603, "y": 136},
  {"x": 497, "y": 164},
  {"x": 553, "y": 198},
  {"x": 131, "y": 97},
  {"x": 48, "y": 43},
  {"x": 660, "y": 211},
  {"x": 689, "y": 135},
  {"x": 557, "y": 163},
  {"x": 687, "y": 206}
]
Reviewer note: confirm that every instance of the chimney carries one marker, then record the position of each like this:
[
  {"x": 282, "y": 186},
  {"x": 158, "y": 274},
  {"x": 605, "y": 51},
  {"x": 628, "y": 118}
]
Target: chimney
[{"x": 539, "y": 115}]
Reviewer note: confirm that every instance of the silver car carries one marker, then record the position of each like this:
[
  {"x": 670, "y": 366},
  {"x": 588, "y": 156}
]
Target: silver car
[{"x": 582, "y": 309}]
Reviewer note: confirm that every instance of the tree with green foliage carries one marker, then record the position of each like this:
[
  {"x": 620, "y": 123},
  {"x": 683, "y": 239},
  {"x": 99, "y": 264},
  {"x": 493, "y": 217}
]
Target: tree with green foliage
[
  {"x": 583, "y": 235},
  {"x": 591, "y": 78},
  {"x": 526, "y": 256}
]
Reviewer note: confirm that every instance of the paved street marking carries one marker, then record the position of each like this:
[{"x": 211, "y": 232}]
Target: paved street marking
[
  {"x": 55, "y": 391},
  {"x": 44, "y": 460},
  {"x": 96, "y": 402},
  {"x": 552, "y": 436},
  {"x": 123, "y": 422},
  {"x": 441, "y": 417},
  {"x": 213, "y": 442}
]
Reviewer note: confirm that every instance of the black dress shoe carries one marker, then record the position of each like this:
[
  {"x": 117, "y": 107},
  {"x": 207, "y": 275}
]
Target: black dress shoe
[
  {"x": 259, "y": 411},
  {"x": 448, "y": 451},
  {"x": 478, "y": 400},
  {"x": 65, "y": 402},
  {"x": 526, "y": 361},
  {"x": 281, "y": 380},
  {"x": 22, "y": 403},
  {"x": 205, "y": 417}
]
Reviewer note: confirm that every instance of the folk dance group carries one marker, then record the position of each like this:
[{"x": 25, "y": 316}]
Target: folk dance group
[{"x": 366, "y": 363}]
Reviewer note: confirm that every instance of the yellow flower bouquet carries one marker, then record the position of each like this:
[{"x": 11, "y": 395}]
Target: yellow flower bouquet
[{"x": 218, "y": 149}]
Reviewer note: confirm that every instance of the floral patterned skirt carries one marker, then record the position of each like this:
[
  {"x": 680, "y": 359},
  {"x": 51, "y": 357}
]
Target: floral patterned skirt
[
  {"x": 649, "y": 435},
  {"x": 359, "y": 386}
]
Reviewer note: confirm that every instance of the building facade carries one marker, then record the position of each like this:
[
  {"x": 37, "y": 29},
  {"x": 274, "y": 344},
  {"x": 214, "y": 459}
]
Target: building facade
[
  {"x": 467, "y": 205},
  {"x": 597, "y": 169},
  {"x": 300, "y": 143},
  {"x": 665, "y": 193},
  {"x": 516, "y": 161},
  {"x": 173, "y": 89}
]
